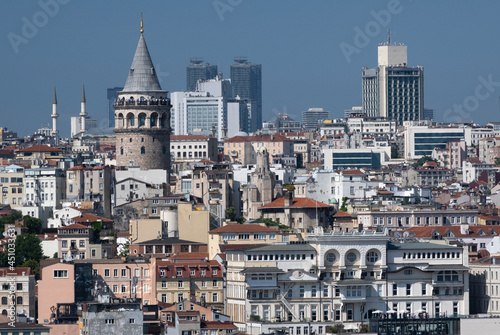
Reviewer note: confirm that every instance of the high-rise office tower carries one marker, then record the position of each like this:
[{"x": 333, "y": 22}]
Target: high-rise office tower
[
  {"x": 313, "y": 116},
  {"x": 112, "y": 95},
  {"x": 392, "y": 89},
  {"x": 196, "y": 71},
  {"x": 202, "y": 111},
  {"x": 246, "y": 82}
]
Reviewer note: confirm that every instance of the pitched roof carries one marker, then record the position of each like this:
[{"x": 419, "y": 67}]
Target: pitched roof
[
  {"x": 88, "y": 217},
  {"x": 14, "y": 271},
  {"x": 260, "y": 138},
  {"x": 142, "y": 75},
  {"x": 75, "y": 226},
  {"x": 352, "y": 172},
  {"x": 342, "y": 214},
  {"x": 40, "y": 148},
  {"x": 242, "y": 228},
  {"x": 188, "y": 137},
  {"x": 296, "y": 203}
]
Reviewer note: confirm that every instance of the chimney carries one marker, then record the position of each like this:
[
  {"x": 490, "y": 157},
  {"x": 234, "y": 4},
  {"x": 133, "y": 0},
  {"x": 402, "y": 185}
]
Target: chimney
[{"x": 288, "y": 199}]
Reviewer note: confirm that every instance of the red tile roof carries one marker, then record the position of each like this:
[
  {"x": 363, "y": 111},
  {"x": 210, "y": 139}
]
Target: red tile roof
[
  {"x": 188, "y": 137},
  {"x": 352, "y": 172},
  {"x": 87, "y": 217},
  {"x": 75, "y": 226},
  {"x": 242, "y": 228},
  {"x": 217, "y": 325},
  {"x": 296, "y": 203},
  {"x": 342, "y": 214},
  {"x": 4, "y": 272},
  {"x": 40, "y": 148},
  {"x": 261, "y": 138}
]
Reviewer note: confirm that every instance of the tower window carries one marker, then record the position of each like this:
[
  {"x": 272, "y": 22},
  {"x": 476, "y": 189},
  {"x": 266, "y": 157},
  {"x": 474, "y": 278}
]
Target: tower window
[
  {"x": 142, "y": 139},
  {"x": 121, "y": 151},
  {"x": 143, "y": 150},
  {"x": 142, "y": 120},
  {"x": 131, "y": 139}
]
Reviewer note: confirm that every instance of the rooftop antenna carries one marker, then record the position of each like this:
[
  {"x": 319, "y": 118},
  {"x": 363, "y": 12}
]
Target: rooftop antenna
[{"x": 389, "y": 36}]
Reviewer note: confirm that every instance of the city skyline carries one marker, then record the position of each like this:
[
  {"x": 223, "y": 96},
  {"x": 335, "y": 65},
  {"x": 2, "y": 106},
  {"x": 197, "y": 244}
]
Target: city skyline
[{"x": 316, "y": 63}]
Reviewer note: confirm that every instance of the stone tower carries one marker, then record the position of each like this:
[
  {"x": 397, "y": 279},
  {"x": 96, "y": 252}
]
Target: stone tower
[
  {"x": 142, "y": 116},
  {"x": 262, "y": 188}
]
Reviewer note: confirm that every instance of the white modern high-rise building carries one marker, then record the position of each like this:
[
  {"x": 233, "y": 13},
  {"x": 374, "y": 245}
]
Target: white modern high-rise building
[
  {"x": 203, "y": 111},
  {"x": 392, "y": 89}
]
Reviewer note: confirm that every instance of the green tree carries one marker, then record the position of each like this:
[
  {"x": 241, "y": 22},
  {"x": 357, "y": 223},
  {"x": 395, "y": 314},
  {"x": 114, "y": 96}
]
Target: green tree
[
  {"x": 422, "y": 160},
  {"x": 497, "y": 161},
  {"x": 35, "y": 267},
  {"x": 125, "y": 251},
  {"x": 28, "y": 247},
  {"x": 34, "y": 225},
  {"x": 343, "y": 207},
  {"x": 394, "y": 152},
  {"x": 289, "y": 187},
  {"x": 230, "y": 213},
  {"x": 97, "y": 227},
  {"x": 4, "y": 259},
  {"x": 9, "y": 219}
]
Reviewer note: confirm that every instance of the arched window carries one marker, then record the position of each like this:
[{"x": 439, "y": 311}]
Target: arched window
[
  {"x": 154, "y": 120},
  {"x": 372, "y": 257},
  {"x": 351, "y": 257},
  {"x": 142, "y": 139},
  {"x": 121, "y": 151},
  {"x": 143, "y": 150},
  {"x": 142, "y": 120}
]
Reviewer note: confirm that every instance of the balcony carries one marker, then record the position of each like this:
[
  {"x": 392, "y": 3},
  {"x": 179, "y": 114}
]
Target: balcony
[{"x": 145, "y": 102}]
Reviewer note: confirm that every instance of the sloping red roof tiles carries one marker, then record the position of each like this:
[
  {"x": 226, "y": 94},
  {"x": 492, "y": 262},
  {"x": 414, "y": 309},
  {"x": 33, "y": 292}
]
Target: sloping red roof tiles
[
  {"x": 296, "y": 203},
  {"x": 40, "y": 148},
  {"x": 242, "y": 228}
]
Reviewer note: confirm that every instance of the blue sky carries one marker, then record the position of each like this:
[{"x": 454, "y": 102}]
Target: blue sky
[{"x": 298, "y": 44}]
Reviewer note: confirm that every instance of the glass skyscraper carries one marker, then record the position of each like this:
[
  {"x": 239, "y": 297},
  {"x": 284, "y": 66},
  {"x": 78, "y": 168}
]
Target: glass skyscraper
[
  {"x": 246, "y": 81},
  {"x": 197, "y": 71}
]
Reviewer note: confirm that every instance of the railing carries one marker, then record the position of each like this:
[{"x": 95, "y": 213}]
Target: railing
[{"x": 145, "y": 102}]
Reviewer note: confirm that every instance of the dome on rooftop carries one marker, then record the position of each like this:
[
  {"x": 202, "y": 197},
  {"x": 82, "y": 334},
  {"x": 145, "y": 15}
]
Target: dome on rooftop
[{"x": 240, "y": 133}]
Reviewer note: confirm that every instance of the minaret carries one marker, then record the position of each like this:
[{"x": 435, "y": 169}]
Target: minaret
[
  {"x": 55, "y": 132},
  {"x": 83, "y": 112}
]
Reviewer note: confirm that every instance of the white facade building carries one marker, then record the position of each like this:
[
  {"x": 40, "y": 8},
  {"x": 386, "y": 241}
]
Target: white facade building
[
  {"x": 43, "y": 191},
  {"x": 342, "y": 278}
]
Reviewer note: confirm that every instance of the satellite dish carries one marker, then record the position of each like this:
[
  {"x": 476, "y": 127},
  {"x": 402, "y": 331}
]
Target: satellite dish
[{"x": 406, "y": 234}]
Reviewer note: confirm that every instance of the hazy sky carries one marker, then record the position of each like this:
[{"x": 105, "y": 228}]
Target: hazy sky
[{"x": 311, "y": 53}]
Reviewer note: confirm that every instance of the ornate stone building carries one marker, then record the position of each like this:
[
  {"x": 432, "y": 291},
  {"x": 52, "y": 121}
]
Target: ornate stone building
[{"x": 142, "y": 116}]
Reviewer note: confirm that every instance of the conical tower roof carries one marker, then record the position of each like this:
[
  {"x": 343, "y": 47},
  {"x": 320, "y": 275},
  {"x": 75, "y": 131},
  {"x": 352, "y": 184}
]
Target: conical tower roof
[
  {"x": 54, "y": 100},
  {"x": 142, "y": 76}
]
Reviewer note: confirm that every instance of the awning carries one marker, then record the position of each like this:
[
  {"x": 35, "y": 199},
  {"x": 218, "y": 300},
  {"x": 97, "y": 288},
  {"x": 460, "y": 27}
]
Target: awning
[{"x": 351, "y": 326}]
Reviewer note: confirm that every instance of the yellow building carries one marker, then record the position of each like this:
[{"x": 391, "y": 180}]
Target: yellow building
[{"x": 232, "y": 233}]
